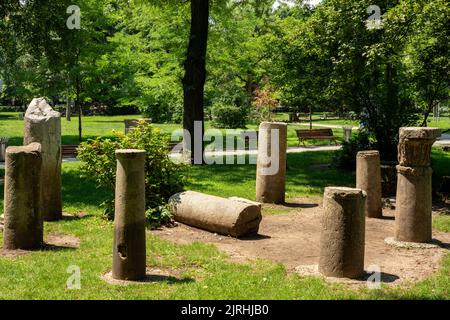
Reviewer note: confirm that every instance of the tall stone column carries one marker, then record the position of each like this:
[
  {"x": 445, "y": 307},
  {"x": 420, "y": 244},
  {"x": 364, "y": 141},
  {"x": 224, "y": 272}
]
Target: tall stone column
[
  {"x": 271, "y": 163},
  {"x": 368, "y": 179},
  {"x": 414, "y": 188},
  {"x": 129, "y": 254},
  {"x": 342, "y": 238},
  {"x": 43, "y": 125},
  {"x": 23, "y": 225}
]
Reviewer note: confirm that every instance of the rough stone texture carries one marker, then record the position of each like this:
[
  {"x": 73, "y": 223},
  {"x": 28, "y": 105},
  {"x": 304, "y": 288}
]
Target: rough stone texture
[
  {"x": 414, "y": 187},
  {"x": 271, "y": 174},
  {"x": 43, "y": 125},
  {"x": 368, "y": 178},
  {"x": 129, "y": 252},
  {"x": 342, "y": 238},
  {"x": 414, "y": 148},
  {"x": 413, "y": 204},
  {"x": 23, "y": 224},
  {"x": 224, "y": 216},
  {"x": 388, "y": 179},
  {"x": 347, "y": 133},
  {"x": 246, "y": 201}
]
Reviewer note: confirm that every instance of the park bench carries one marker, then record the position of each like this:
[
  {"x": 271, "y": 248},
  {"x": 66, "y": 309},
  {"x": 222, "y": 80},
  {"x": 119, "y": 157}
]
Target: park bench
[
  {"x": 69, "y": 150},
  {"x": 315, "y": 134}
]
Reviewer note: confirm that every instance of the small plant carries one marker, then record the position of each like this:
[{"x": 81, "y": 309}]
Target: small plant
[
  {"x": 346, "y": 157},
  {"x": 262, "y": 105},
  {"x": 163, "y": 177}
]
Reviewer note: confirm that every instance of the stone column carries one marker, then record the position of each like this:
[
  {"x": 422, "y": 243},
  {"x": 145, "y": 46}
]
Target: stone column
[
  {"x": 43, "y": 125},
  {"x": 347, "y": 133},
  {"x": 271, "y": 163},
  {"x": 368, "y": 179},
  {"x": 129, "y": 261},
  {"x": 343, "y": 233},
  {"x": 23, "y": 225},
  {"x": 414, "y": 188}
]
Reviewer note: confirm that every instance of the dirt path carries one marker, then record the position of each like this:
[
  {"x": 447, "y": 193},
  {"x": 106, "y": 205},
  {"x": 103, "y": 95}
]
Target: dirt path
[{"x": 293, "y": 240}]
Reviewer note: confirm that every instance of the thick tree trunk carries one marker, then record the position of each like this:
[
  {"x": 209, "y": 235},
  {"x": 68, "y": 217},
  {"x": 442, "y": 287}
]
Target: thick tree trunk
[{"x": 194, "y": 79}]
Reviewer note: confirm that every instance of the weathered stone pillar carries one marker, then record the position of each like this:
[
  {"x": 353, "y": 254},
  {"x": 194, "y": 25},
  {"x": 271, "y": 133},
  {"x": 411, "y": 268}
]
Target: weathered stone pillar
[
  {"x": 23, "y": 225},
  {"x": 129, "y": 261},
  {"x": 368, "y": 179},
  {"x": 414, "y": 188},
  {"x": 343, "y": 233},
  {"x": 43, "y": 125},
  {"x": 271, "y": 163}
]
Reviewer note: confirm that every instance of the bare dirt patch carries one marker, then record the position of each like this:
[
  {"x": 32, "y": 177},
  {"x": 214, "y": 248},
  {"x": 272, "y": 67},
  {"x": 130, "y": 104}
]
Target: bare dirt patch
[
  {"x": 293, "y": 240},
  {"x": 61, "y": 241},
  {"x": 12, "y": 254}
]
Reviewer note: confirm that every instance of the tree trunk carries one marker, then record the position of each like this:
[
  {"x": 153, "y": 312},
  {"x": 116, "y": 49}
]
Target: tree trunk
[
  {"x": 68, "y": 111},
  {"x": 79, "y": 108},
  {"x": 194, "y": 80}
]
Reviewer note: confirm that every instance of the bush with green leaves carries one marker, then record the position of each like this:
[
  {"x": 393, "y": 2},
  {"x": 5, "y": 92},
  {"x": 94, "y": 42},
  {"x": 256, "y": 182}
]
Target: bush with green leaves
[
  {"x": 163, "y": 177},
  {"x": 228, "y": 116},
  {"x": 346, "y": 157}
]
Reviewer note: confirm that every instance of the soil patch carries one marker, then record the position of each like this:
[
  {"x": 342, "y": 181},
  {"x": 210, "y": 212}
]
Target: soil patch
[{"x": 293, "y": 240}]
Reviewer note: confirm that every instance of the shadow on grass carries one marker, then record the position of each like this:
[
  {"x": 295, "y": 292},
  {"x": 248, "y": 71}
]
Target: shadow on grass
[{"x": 53, "y": 247}]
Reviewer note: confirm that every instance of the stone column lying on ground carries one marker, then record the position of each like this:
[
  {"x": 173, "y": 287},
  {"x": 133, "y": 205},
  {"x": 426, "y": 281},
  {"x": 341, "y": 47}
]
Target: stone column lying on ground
[
  {"x": 43, "y": 125},
  {"x": 368, "y": 179},
  {"x": 342, "y": 238},
  {"x": 271, "y": 163},
  {"x": 224, "y": 216},
  {"x": 23, "y": 224},
  {"x": 413, "y": 220},
  {"x": 129, "y": 253}
]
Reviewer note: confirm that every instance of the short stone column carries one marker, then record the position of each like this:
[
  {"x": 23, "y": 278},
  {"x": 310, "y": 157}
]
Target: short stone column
[
  {"x": 43, "y": 125},
  {"x": 271, "y": 163},
  {"x": 368, "y": 179},
  {"x": 23, "y": 224},
  {"x": 129, "y": 254},
  {"x": 413, "y": 220},
  {"x": 342, "y": 238}
]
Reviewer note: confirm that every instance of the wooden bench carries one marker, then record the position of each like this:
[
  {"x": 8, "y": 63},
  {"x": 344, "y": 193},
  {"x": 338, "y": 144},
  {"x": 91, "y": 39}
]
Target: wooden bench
[
  {"x": 69, "y": 150},
  {"x": 315, "y": 134}
]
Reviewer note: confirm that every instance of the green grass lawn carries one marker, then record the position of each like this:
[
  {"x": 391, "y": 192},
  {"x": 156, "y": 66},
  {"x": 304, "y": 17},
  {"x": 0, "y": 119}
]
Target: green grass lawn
[
  {"x": 203, "y": 271},
  {"x": 12, "y": 127}
]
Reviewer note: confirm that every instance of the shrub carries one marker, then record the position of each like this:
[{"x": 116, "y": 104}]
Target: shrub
[
  {"x": 228, "y": 116},
  {"x": 346, "y": 157},
  {"x": 163, "y": 177}
]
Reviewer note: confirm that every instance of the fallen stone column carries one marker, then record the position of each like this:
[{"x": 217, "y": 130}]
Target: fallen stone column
[
  {"x": 368, "y": 179},
  {"x": 129, "y": 252},
  {"x": 224, "y": 216},
  {"x": 271, "y": 163},
  {"x": 343, "y": 233},
  {"x": 43, "y": 125},
  {"x": 23, "y": 224},
  {"x": 413, "y": 219}
]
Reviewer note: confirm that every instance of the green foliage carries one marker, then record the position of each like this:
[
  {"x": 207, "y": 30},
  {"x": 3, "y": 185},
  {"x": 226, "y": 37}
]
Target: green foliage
[
  {"x": 346, "y": 157},
  {"x": 228, "y": 116},
  {"x": 163, "y": 177}
]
